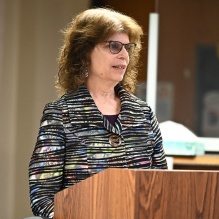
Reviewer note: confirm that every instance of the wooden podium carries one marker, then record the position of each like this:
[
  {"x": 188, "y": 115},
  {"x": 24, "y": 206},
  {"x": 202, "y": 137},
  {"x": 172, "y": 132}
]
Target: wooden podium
[{"x": 141, "y": 194}]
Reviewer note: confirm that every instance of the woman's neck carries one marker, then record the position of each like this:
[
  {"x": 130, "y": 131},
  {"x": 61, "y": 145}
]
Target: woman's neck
[
  {"x": 101, "y": 90},
  {"x": 105, "y": 99}
]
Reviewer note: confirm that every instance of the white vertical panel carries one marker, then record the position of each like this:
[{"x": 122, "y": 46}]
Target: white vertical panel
[{"x": 152, "y": 61}]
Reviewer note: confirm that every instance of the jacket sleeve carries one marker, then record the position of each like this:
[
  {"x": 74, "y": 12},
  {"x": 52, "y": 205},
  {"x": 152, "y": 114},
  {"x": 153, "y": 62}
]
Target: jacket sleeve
[
  {"x": 47, "y": 161},
  {"x": 158, "y": 156}
]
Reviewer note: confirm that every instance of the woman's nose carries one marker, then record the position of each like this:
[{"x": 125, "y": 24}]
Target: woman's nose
[{"x": 123, "y": 53}]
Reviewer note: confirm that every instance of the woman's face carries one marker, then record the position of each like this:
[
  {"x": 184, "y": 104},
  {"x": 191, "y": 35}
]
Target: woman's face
[{"x": 108, "y": 67}]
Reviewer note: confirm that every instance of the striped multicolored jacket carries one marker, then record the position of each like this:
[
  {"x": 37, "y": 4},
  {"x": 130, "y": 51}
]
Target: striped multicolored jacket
[{"x": 74, "y": 143}]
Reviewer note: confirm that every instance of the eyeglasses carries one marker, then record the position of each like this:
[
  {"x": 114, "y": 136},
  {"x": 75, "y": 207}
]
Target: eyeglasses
[{"x": 115, "y": 47}]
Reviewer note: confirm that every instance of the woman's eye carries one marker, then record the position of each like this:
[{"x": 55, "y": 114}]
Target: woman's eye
[{"x": 115, "y": 46}]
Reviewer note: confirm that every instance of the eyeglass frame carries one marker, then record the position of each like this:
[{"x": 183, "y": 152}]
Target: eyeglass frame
[{"x": 123, "y": 45}]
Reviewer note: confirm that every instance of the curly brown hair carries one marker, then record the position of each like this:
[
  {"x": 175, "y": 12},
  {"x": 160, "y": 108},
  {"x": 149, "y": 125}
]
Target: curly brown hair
[{"x": 85, "y": 31}]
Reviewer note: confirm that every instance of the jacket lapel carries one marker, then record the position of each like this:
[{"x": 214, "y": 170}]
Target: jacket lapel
[
  {"x": 83, "y": 111},
  {"x": 131, "y": 114}
]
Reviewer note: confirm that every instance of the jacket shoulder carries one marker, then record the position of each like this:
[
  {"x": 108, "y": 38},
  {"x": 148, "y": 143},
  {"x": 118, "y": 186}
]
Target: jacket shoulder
[
  {"x": 61, "y": 101},
  {"x": 141, "y": 102}
]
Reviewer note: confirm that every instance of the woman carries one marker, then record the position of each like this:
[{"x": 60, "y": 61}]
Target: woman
[{"x": 97, "y": 123}]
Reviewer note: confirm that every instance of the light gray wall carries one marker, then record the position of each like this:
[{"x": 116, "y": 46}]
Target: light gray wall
[{"x": 30, "y": 39}]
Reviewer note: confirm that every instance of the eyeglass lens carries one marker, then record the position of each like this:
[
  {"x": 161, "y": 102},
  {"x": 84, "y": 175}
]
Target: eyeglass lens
[{"x": 116, "y": 46}]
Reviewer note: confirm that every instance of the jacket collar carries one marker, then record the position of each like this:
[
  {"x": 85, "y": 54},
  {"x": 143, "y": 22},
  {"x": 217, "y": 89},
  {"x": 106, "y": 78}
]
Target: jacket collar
[{"x": 83, "y": 111}]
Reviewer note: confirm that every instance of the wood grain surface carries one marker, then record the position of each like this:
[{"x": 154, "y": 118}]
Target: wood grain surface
[
  {"x": 178, "y": 195},
  {"x": 141, "y": 194}
]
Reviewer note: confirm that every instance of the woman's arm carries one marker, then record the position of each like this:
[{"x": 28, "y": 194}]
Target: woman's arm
[
  {"x": 47, "y": 161},
  {"x": 158, "y": 156}
]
